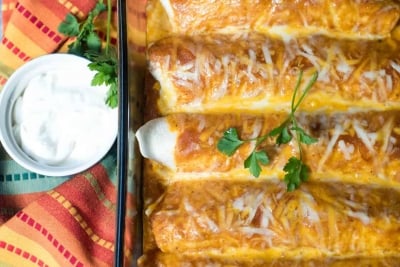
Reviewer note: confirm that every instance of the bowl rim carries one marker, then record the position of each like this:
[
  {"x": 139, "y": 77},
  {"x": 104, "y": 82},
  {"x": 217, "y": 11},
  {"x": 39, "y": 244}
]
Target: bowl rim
[{"x": 13, "y": 88}]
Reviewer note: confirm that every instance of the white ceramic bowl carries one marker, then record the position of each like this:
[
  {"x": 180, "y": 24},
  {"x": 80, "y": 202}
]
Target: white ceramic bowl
[{"x": 76, "y": 74}]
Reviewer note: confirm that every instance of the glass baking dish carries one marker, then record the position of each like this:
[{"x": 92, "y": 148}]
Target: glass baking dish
[{"x": 131, "y": 82}]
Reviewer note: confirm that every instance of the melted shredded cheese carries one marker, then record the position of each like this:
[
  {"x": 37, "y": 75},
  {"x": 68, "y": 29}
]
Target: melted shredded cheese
[
  {"x": 346, "y": 149},
  {"x": 395, "y": 66},
  {"x": 364, "y": 137},
  {"x": 329, "y": 148}
]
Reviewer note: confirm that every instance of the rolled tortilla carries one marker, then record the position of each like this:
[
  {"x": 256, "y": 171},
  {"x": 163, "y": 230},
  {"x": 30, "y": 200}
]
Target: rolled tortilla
[
  {"x": 250, "y": 220},
  {"x": 352, "y": 147},
  {"x": 337, "y": 18},
  {"x": 255, "y": 75}
]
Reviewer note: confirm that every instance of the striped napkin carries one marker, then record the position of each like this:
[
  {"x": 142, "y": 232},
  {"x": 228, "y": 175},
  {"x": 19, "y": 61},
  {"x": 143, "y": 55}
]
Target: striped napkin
[{"x": 58, "y": 221}]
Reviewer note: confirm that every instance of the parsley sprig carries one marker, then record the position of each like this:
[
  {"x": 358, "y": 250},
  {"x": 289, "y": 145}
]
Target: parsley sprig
[
  {"x": 296, "y": 171},
  {"x": 88, "y": 44}
]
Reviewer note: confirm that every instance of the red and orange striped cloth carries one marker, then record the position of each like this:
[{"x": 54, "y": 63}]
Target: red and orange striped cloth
[{"x": 58, "y": 221}]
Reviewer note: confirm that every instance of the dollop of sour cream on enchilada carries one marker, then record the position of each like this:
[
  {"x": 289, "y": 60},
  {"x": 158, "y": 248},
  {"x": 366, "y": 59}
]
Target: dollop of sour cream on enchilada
[
  {"x": 157, "y": 141},
  {"x": 60, "y": 119}
]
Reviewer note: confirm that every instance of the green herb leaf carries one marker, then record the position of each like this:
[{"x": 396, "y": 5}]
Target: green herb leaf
[
  {"x": 282, "y": 132},
  {"x": 262, "y": 157},
  {"x": 112, "y": 96},
  {"x": 93, "y": 42},
  {"x": 70, "y": 26},
  {"x": 230, "y": 142},
  {"x": 254, "y": 160},
  {"x": 276, "y": 131},
  {"x": 106, "y": 74},
  {"x": 306, "y": 138},
  {"x": 296, "y": 172},
  {"x": 106, "y": 68},
  {"x": 98, "y": 79},
  {"x": 100, "y": 7},
  {"x": 284, "y": 136},
  {"x": 75, "y": 48}
]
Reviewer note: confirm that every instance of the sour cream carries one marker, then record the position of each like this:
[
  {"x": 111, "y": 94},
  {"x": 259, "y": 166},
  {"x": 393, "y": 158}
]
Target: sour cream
[{"x": 60, "y": 119}]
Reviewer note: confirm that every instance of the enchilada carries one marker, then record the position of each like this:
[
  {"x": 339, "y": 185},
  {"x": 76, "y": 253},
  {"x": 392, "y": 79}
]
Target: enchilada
[
  {"x": 254, "y": 74},
  {"x": 368, "y": 20}
]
